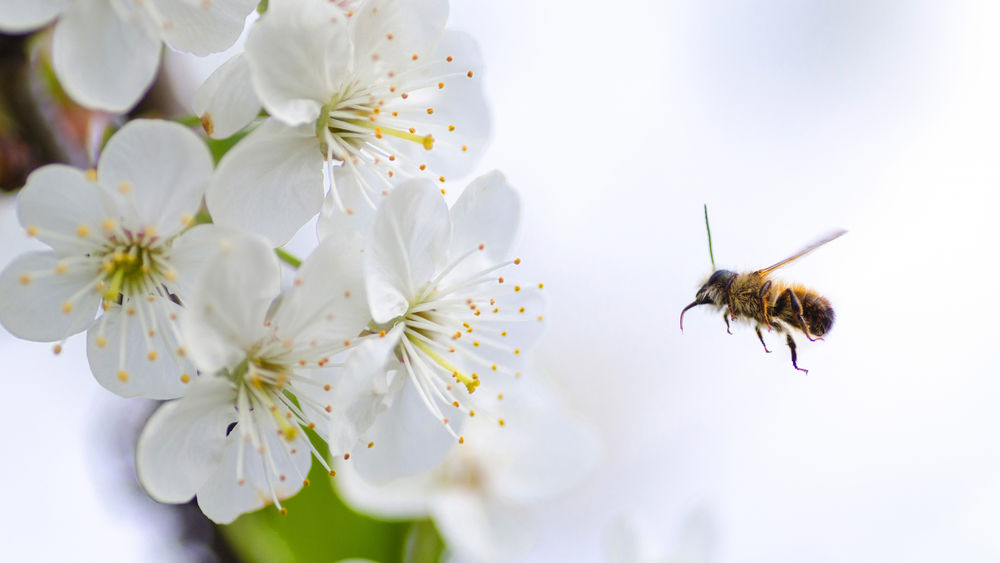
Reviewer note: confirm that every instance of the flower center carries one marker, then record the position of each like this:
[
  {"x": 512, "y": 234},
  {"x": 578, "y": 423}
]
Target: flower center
[{"x": 132, "y": 264}]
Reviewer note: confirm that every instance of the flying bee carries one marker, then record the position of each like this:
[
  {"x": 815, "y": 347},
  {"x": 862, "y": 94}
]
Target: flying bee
[{"x": 768, "y": 303}]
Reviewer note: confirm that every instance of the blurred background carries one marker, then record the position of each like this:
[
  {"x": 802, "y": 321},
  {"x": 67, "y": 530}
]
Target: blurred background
[{"x": 617, "y": 122}]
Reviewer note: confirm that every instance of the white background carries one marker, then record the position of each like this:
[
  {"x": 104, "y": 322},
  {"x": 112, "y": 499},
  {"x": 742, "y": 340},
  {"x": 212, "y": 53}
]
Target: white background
[{"x": 617, "y": 121}]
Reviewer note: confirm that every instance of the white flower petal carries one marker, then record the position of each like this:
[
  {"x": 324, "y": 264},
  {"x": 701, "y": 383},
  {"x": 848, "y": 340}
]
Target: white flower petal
[
  {"x": 362, "y": 393},
  {"x": 459, "y": 103},
  {"x": 404, "y": 499},
  {"x": 161, "y": 168},
  {"x": 327, "y": 300},
  {"x": 202, "y": 27},
  {"x": 226, "y": 102},
  {"x": 101, "y": 60},
  {"x": 222, "y": 498},
  {"x": 538, "y": 468},
  {"x": 488, "y": 212},
  {"x": 299, "y": 53},
  {"x": 407, "y": 440},
  {"x": 480, "y": 529},
  {"x": 415, "y": 26},
  {"x": 181, "y": 445},
  {"x": 411, "y": 233},
  {"x": 67, "y": 209},
  {"x": 130, "y": 362},
  {"x": 224, "y": 316},
  {"x": 348, "y": 202},
  {"x": 191, "y": 251},
  {"x": 43, "y": 305},
  {"x": 17, "y": 16},
  {"x": 270, "y": 183}
]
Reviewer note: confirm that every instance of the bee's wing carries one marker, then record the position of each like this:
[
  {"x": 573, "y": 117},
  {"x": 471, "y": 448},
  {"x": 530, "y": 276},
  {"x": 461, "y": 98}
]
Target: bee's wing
[{"x": 802, "y": 252}]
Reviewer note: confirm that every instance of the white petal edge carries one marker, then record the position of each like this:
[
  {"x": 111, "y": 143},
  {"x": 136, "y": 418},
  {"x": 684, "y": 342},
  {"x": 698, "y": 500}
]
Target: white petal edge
[
  {"x": 35, "y": 297},
  {"x": 102, "y": 61},
  {"x": 411, "y": 233},
  {"x": 181, "y": 445},
  {"x": 161, "y": 169},
  {"x": 270, "y": 183},
  {"x": 19, "y": 16},
  {"x": 224, "y": 316},
  {"x": 226, "y": 102}
]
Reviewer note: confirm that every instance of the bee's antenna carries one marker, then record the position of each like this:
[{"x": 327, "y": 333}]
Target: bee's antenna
[{"x": 709, "y": 230}]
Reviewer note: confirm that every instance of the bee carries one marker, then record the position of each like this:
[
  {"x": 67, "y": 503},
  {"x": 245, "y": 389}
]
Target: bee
[{"x": 769, "y": 303}]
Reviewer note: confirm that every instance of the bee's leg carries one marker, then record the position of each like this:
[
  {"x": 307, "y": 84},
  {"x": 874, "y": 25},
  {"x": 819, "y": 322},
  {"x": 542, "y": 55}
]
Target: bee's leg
[
  {"x": 797, "y": 309},
  {"x": 725, "y": 317},
  {"x": 761, "y": 337},
  {"x": 729, "y": 295},
  {"x": 791, "y": 346},
  {"x": 762, "y": 292}
]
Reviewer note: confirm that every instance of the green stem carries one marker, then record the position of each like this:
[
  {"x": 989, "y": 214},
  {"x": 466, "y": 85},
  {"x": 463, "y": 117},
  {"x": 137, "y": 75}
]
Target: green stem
[
  {"x": 710, "y": 255},
  {"x": 288, "y": 258},
  {"x": 423, "y": 543}
]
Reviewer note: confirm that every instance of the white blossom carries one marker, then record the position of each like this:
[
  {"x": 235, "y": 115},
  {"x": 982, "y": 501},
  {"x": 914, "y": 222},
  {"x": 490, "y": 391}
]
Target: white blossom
[
  {"x": 481, "y": 496},
  {"x": 106, "y": 52},
  {"x": 121, "y": 242},
  {"x": 380, "y": 93},
  {"x": 268, "y": 367},
  {"x": 452, "y": 322}
]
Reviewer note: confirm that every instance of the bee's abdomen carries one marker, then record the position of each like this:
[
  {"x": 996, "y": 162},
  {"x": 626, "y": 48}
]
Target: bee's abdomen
[{"x": 817, "y": 312}]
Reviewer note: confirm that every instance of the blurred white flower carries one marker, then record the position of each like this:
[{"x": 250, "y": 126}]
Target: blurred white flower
[
  {"x": 482, "y": 495},
  {"x": 382, "y": 91},
  {"x": 627, "y": 540},
  {"x": 450, "y": 320},
  {"x": 106, "y": 52},
  {"x": 120, "y": 241},
  {"x": 236, "y": 440}
]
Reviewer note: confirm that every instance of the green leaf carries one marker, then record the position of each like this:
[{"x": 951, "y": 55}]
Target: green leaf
[{"x": 320, "y": 527}]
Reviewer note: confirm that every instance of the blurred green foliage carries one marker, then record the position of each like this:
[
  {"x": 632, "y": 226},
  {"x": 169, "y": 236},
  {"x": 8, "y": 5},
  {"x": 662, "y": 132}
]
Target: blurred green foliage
[{"x": 320, "y": 527}]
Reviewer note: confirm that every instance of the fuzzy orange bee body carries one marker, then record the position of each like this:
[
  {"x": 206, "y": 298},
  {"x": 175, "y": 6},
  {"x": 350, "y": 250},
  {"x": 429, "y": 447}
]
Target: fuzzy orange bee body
[{"x": 769, "y": 303}]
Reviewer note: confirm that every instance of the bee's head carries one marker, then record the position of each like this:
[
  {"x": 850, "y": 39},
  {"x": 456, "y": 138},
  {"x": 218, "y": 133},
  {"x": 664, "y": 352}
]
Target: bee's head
[{"x": 712, "y": 291}]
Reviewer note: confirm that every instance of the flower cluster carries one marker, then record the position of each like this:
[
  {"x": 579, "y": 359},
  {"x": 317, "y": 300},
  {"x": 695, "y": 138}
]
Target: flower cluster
[{"x": 394, "y": 340}]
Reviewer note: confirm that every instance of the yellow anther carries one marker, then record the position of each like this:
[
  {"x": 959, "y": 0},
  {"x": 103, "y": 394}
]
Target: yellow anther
[
  {"x": 501, "y": 422},
  {"x": 428, "y": 142},
  {"x": 122, "y": 376},
  {"x": 82, "y": 231},
  {"x": 451, "y": 128},
  {"x": 25, "y": 279},
  {"x": 61, "y": 269},
  {"x": 151, "y": 355},
  {"x": 461, "y": 439},
  {"x": 67, "y": 307},
  {"x": 124, "y": 187},
  {"x": 185, "y": 378},
  {"x": 186, "y": 218},
  {"x": 91, "y": 174},
  {"x": 32, "y": 230},
  {"x": 101, "y": 342}
]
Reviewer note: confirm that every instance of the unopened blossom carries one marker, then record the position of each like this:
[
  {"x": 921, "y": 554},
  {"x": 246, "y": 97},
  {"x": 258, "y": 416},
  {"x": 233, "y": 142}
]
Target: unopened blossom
[
  {"x": 236, "y": 440},
  {"x": 379, "y": 94},
  {"x": 106, "y": 52},
  {"x": 453, "y": 324},
  {"x": 481, "y": 495},
  {"x": 121, "y": 243}
]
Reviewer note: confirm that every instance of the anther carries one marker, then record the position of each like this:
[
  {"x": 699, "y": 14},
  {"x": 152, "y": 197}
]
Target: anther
[
  {"x": 122, "y": 376},
  {"x": 185, "y": 378},
  {"x": 25, "y": 279},
  {"x": 371, "y": 444}
]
